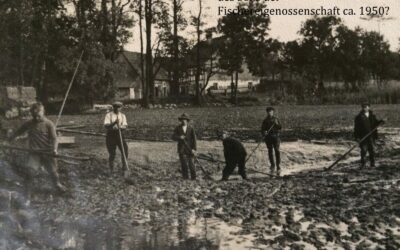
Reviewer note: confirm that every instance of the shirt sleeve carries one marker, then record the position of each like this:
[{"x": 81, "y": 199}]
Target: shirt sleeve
[
  {"x": 263, "y": 129},
  {"x": 356, "y": 128},
  {"x": 21, "y": 130},
  {"x": 194, "y": 140},
  {"x": 52, "y": 134},
  {"x": 175, "y": 135},
  {"x": 124, "y": 123},
  {"x": 107, "y": 119},
  {"x": 278, "y": 125}
]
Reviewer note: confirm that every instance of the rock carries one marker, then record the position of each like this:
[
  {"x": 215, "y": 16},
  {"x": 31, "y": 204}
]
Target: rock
[
  {"x": 297, "y": 246},
  {"x": 291, "y": 235},
  {"x": 364, "y": 245}
]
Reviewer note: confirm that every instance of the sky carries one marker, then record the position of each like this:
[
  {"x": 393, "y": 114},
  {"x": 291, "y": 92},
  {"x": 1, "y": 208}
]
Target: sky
[{"x": 285, "y": 28}]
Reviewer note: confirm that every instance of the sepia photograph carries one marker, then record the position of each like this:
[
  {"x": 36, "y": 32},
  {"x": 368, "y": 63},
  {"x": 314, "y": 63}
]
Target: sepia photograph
[{"x": 199, "y": 124}]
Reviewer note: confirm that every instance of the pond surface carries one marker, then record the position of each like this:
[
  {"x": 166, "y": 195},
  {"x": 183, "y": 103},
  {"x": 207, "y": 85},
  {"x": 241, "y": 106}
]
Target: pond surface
[{"x": 185, "y": 232}]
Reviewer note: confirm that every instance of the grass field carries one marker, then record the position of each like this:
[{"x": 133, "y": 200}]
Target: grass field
[{"x": 304, "y": 122}]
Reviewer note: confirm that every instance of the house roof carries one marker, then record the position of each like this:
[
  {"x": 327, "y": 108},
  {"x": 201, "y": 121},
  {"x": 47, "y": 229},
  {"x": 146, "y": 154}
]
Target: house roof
[
  {"x": 127, "y": 75},
  {"x": 130, "y": 76},
  {"x": 207, "y": 49}
]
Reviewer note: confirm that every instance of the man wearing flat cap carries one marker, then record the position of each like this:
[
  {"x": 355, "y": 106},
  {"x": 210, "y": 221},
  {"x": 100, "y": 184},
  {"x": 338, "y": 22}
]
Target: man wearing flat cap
[
  {"x": 115, "y": 123},
  {"x": 364, "y": 123},
  {"x": 270, "y": 131},
  {"x": 185, "y": 135}
]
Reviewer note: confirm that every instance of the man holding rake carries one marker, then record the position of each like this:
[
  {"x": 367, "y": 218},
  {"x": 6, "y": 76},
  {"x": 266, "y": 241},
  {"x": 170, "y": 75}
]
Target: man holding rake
[
  {"x": 115, "y": 122},
  {"x": 185, "y": 135},
  {"x": 270, "y": 131}
]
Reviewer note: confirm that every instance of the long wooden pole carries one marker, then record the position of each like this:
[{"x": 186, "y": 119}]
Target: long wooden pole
[
  {"x": 197, "y": 161},
  {"x": 69, "y": 88},
  {"x": 45, "y": 153},
  {"x": 80, "y": 132},
  {"x": 352, "y": 148},
  {"x": 121, "y": 140},
  {"x": 258, "y": 145}
]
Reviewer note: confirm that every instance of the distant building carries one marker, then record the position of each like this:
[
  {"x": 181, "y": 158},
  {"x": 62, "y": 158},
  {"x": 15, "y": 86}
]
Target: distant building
[
  {"x": 129, "y": 80},
  {"x": 216, "y": 79}
]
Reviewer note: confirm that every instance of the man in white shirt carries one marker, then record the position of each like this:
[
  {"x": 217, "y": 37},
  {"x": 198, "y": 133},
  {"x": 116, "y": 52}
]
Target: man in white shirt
[{"x": 115, "y": 123}]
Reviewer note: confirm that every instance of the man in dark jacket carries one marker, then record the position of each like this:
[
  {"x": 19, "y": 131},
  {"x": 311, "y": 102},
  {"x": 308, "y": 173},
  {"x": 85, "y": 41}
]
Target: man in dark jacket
[
  {"x": 235, "y": 155},
  {"x": 185, "y": 135},
  {"x": 270, "y": 130},
  {"x": 364, "y": 123}
]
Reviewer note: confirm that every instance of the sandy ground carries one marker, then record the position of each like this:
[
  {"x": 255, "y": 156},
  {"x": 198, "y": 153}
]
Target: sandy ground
[
  {"x": 345, "y": 208},
  {"x": 296, "y": 156}
]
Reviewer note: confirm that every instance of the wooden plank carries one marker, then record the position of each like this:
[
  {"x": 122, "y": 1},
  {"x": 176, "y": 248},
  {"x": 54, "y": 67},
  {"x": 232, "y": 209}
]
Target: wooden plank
[
  {"x": 45, "y": 153},
  {"x": 63, "y": 140}
]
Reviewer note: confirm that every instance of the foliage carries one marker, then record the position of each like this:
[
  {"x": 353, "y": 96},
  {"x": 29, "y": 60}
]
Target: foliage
[
  {"x": 43, "y": 39},
  {"x": 244, "y": 34}
]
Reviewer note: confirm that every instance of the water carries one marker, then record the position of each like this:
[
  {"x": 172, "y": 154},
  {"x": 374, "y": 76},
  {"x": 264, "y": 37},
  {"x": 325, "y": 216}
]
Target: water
[{"x": 184, "y": 232}]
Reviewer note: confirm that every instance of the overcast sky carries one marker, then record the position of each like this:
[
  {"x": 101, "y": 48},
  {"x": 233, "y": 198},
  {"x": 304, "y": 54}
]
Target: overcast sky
[{"x": 285, "y": 28}]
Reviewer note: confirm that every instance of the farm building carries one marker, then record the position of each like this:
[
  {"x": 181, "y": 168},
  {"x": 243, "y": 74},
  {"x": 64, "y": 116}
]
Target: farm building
[{"x": 129, "y": 80}]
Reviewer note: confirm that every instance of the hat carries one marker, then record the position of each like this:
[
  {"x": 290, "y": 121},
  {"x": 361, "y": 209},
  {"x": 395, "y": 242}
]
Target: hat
[
  {"x": 220, "y": 132},
  {"x": 365, "y": 104},
  {"x": 117, "y": 104},
  {"x": 184, "y": 116},
  {"x": 269, "y": 109}
]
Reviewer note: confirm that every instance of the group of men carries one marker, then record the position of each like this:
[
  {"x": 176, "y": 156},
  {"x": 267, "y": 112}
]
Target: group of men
[{"x": 43, "y": 138}]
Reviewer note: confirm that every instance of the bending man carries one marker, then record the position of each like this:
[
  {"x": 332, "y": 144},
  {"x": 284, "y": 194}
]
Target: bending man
[{"x": 235, "y": 155}]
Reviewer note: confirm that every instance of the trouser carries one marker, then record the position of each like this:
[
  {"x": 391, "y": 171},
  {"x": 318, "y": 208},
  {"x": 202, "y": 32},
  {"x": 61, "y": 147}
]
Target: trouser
[
  {"x": 113, "y": 140},
  {"x": 273, "y": 143},
  {"x": 187, "y": 165},
  {"x": 35, "y": 161},
  {"x": 367, "y": 145},
  {"x": 231, "y": 165}
]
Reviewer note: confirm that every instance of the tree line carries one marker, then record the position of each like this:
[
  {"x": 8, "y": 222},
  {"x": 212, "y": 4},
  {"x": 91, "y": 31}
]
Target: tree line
[{"x": 42, "y": 39}]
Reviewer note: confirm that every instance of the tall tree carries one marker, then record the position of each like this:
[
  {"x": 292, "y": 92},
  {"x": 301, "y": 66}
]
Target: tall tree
[
  {"x": 349, "y": 60},
  {"x": 198, "y": 23},
  {"x": 376, "y": 57},
  {"x": 178, "y": 23},
  {"x": 140, "y": 13},
  {"x": 319, "y": 41},
  {"x": 243, "y": 33}
]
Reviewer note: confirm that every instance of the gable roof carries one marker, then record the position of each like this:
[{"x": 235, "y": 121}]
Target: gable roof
[{"x": 132, "y": 60}]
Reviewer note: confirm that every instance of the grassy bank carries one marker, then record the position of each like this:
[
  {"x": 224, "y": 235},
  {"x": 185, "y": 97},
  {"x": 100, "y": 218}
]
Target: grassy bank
[{"x": 304, "y": 122}]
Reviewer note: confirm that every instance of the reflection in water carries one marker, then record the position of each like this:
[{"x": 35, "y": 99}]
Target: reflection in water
[
  {"x": 186, "y": 232},
  {"x": 175, "y": 236},
  {"x": 183, "y": 231}
]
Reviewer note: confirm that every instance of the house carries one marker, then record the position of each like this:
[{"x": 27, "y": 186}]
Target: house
[
  {"x": 129, "y": 79},
  {"x": 212, "y": 77}
]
